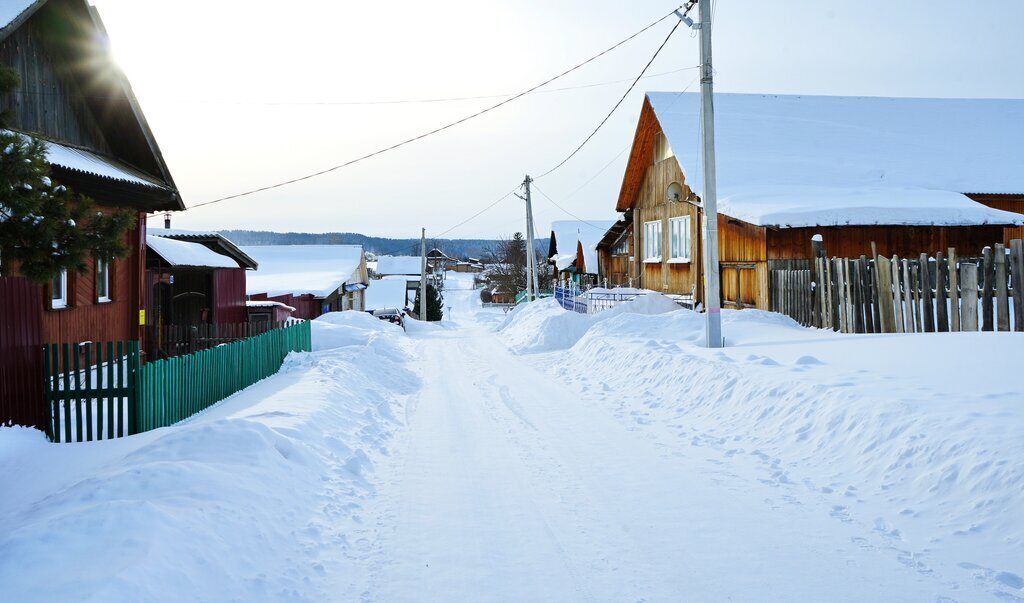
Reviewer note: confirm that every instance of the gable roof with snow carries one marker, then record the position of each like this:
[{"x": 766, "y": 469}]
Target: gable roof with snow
[
  {"x": 317, "y": 270},
  {"x": 98, "y": 139},
  {"x": 209, "y": 238},
  {"x": 816, "y": 160},
  {"x": 187, "y": 254},
  {"x": 568, "y": 236},
  {"x": 399, "y": 264}
]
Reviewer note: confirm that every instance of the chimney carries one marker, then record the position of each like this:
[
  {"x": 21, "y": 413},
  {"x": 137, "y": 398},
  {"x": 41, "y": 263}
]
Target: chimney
[{"x": 167, "y": 220}]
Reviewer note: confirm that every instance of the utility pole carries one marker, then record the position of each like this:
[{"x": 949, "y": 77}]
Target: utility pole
[
  {"x": 531, "y": 260},
  {"x": 423, "y": 276},
  {"x": 709, "y": 197}
]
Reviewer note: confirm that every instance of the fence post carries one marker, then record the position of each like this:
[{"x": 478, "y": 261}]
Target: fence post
[
  {"x": 883, "y": 272},
  {"x": 1017, "y": 274},
  {"x": 969, "y": 292},
  {"x": 1002, "y": 300},
  {"x": 897, "y": 297},
  {"x": 927, "y": 307},
  {"x": 941, "y": 309},
  {"x": 954, "y": 293},
  {"x": 987, "y": 322}
]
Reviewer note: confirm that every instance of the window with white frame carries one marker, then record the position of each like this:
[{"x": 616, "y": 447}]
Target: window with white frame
[
  {"x": 59, "y": 291},
  {"x": 679, "y": 239},
  {"x": 102, "y": 281},
  {"x": 652, "y": 241}
]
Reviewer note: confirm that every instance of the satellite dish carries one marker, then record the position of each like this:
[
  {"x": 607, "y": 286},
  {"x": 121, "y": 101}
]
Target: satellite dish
[{"x": 675, "y": 193}]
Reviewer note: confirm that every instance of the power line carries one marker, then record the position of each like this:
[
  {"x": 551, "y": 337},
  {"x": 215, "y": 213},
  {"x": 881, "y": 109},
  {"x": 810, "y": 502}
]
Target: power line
[
  {"x": 565, "y": 210},
  {"x": 479, "y": 213},
  {"x": 442, "y": 128},
  {"x": 628, "y": 90}
]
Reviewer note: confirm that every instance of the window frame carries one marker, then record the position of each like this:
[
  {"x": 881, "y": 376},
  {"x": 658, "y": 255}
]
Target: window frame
[
  {"x": 59, "y": 303},
  {"x": 653, "y": 230},
  {"x": 103, "y": 276},
  {"x": 685, "y": 240}
]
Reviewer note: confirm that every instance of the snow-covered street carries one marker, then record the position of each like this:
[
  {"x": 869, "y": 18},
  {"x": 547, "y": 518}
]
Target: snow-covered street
[{"x": 461, "y": 462}]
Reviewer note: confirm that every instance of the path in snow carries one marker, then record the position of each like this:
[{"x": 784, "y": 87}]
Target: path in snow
[{"x": 507, "y": 485}]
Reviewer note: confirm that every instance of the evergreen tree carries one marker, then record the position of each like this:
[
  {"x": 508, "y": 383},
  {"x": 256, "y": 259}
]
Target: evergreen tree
[
  {"x": 44, "y": 227},
  {"x": 435, "y": 304}
]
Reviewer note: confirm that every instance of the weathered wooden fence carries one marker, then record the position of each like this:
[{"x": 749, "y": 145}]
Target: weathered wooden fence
[
  {"x": 925, "y": 294},
  {"x": 96, "y": 391},
  {"x": 791, "y": 288},
  {"x": 174, "y": 389},
  {"x": 169, "y": 341},
  {"x": 88, "y": 389}
]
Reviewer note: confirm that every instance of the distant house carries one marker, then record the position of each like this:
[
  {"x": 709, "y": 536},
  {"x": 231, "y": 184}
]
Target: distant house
[
  {"x": 388, "y": 294},
  {"x": 312, "y": 279},
  {"x": 407, "y": 268},
  {"x": 195, "y": 278},
  {"x": 572, "y": 252},
  {"x": 911, "y": 175},
  {"x": 74, "y": 97},
  {"x": 438, "y": 260},
  {"x": 467, "y": 267}
]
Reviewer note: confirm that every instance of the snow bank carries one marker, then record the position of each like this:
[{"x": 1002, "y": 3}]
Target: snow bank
[
  {"x": 339, "y": 329},
  {"x": 912, "y": 435},
  {"x": 544, "y": 325},
  {"x": 257, "y": 499}
]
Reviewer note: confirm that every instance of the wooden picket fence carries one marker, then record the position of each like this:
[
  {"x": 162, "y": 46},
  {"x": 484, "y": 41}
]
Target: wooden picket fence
[
  {"x": 93, "y": 395},
  {"x": 925, "y": 294},
  {"x": 88, "y": 389},
  {"x": 173, "y": 389},
  {"x": 169, "y": 341}
]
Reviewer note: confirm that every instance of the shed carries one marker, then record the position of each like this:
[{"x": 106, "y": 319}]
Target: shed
[
  {"x": 314, "y": 279},
  {"x": 572, "y": 251}
]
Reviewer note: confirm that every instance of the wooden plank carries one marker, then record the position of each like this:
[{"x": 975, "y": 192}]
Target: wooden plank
[
  {"x": 89, "y": 393},
  {"x": 111, "y": 360},
  {"x": 915, "y": 281},
  {"x": 848, "y": 299},
  {"x": 941, "y": 308},
  {"x": 927, "y": 305},
  {"x": 1002, "y": 294},
  {"x": 884, "y": 291},
  {"x": 988, "y": 291},
  {"x": 969, "y": 296},
  {"x": 1017, "y": 275},
  {"x": 121, "y": 382},
  {"x": 872, "y": 272},
  {"x": 898, "y": 325},
  {"x": 954, "y": 292},
  {"x": 857, "y": 290},
  {"x": 75, "y": 377}
]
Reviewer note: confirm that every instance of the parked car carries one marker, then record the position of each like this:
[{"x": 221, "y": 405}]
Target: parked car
[{"x": 392, "y": 315}]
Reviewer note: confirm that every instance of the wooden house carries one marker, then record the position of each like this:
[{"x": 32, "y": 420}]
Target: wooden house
[
  {"x": 572, "y": 251},
  {"x": 75, "y": 98},
  {"x": 311, "y": 279},
  {"x": 195, "y": 277},
  {"x": 910, "y": 175}
]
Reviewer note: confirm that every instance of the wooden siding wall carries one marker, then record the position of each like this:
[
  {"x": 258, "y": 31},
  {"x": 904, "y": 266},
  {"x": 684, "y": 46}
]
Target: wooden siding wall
[
  {"x": 21, "y": 340},
  {"x": 652, "y": 204},
  {"x": 905, "y": 241},
  {"x": 229, "y": 296},
  {"x": 306, "y": 306},
  {"x": 49, "y": 101},
  {"x": 1014, "y": 203}
]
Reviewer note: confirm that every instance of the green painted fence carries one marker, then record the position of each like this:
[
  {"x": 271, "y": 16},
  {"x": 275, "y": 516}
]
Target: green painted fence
[{"x": 174, "y": 389}]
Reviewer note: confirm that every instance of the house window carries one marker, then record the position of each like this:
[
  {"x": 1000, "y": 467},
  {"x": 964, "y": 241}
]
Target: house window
[
  {"x": 102, "y": 281},
  {"x": 652, "y": 241},
  {"x": 621, "y": 247},
  {"x": 59, "y": 291},
  {"x": 679, "y": 239}
]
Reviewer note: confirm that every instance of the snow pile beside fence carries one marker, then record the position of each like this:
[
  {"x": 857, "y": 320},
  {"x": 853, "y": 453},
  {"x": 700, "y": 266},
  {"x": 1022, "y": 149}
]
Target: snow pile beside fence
[
  {"x": 920, "y": 437},
  {"x": 339, "y": 329},
  {"x": 544, "y": 325},
  {"x": 229, "y": 504}
]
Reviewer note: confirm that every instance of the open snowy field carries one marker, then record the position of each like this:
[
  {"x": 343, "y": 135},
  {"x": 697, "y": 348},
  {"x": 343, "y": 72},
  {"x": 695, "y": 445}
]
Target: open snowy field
[{"x": 548, "y": 456}]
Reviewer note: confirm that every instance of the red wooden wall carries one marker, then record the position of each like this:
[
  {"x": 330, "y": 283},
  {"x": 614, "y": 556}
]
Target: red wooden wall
[
  {"x": 229, "y": 296},
  {"x": 21, "y": 375}
]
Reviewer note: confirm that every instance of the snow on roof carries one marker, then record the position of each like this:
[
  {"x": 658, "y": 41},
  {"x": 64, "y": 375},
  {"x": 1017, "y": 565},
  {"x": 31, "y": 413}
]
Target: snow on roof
[
  {"x": 317, "y": 270},
  {"x": 794, "y": 206},
  {"x": 184, "y": 253},
  {"x": 851, "y": 149},
  {"x": 399, "y": 264},
  {"x": 568, "y": 233},
  {"x": 80, "y": 160},
  {"x": 181, "y": 232},
  {"x": 382, "y": 294},
  {"x": 266, "y": 303}
]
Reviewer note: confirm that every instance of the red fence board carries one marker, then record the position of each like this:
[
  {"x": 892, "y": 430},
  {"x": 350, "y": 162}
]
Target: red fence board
[{"x": 21, "y": 375}]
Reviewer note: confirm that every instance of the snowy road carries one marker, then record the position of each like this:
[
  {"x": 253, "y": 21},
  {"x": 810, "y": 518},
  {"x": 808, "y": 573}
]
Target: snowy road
[{"x": 510, "y": 486}]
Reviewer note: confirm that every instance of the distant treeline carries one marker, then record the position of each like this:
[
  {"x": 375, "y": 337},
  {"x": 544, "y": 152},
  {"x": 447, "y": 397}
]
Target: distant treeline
[{"x": 456, "y": 248}]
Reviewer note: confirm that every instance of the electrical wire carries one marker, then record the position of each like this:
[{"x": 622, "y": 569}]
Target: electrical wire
[
  {"x": 617, "y": 105},
  {"x": 441, "y": 128},
  {"x": 553, "y": 202}
]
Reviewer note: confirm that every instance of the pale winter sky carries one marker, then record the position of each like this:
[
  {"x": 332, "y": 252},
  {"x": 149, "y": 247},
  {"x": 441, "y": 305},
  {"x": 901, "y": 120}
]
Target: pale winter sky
[{"x": 228, "y": 87}]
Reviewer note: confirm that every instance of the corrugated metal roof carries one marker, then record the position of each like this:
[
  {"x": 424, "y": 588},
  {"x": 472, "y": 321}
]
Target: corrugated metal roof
[{"x": 89, "y": 162}]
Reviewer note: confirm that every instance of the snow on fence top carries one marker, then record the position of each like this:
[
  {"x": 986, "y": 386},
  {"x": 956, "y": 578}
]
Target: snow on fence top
[
  {"x": 317, "y": 270},
  {"x": 399, "y": 264},
  {"x": 568, "y": 233},
  {"x": 859, "y": 153},
  {"x": 184, "y": 253}
]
